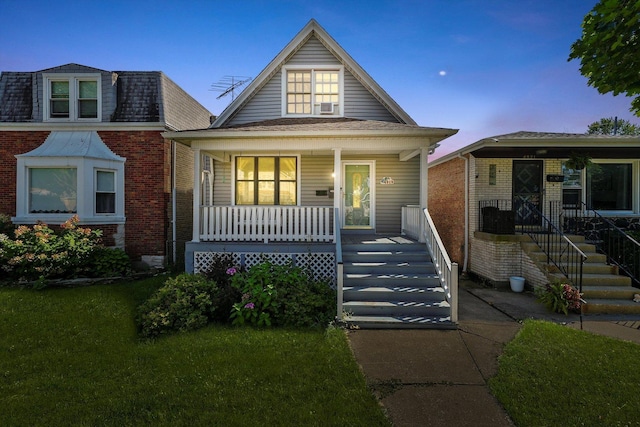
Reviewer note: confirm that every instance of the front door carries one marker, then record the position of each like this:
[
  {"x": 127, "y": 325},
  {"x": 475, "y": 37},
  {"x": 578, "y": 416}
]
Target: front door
[
  {"x": 527, "y": 188},
  {"x": 358, "y": 194}
]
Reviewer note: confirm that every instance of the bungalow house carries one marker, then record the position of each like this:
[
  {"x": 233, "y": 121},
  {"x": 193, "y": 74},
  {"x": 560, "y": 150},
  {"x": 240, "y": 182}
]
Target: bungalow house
[
  {"x": 314, "y": 162},
  {"x": 508, "y": 194},
  {"x": 76, "y": 140}
]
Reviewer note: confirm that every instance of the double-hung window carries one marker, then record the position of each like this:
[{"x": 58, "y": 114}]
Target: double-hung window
[
  {"x": 312, "y": 92},
  {"x": 72, "y": 97},
  {"x": 266, "y": 180}
]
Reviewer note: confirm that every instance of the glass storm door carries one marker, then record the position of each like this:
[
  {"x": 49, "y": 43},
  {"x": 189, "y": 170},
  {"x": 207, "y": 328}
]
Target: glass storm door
[
  {"x": 357, "y": 195},
  {"x": 527, "y": 188}
]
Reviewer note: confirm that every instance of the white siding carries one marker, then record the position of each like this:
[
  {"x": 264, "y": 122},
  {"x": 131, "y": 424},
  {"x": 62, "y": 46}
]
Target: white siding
[
  {"x": 222, "y": 183},
  {"x": 266, "y": 104},
  {"x": 390, "y": 198},
  {"x": 316, "y": 175}
]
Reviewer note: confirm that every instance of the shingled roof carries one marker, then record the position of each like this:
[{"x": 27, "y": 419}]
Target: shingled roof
[{"x": 138, "y": 96}]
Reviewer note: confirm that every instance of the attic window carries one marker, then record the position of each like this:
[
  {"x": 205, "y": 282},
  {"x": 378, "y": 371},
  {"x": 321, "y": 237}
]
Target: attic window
[
  {"x": 311, "y": 92},
  {"x": 72, "y": 97}
]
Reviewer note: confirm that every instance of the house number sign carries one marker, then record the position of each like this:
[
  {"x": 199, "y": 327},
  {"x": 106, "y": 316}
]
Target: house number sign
[{"x": 387, "y": 180}]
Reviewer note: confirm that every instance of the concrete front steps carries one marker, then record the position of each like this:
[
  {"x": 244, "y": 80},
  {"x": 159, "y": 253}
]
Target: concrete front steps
[
  {"x": 390, "y": 285},
  {"x": 604, "y": 290}
]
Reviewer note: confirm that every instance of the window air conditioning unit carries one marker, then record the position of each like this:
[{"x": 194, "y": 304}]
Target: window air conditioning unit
[{"x": 326, "y": 108}]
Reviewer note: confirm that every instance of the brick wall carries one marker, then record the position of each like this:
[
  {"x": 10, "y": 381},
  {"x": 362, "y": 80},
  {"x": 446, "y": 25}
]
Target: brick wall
[
  {"x": 147, "y": 186},
  {"x": 446, "y": 205}
]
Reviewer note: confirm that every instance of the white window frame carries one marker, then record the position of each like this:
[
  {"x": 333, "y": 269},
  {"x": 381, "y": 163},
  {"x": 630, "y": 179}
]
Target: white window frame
[
  {"x": 315, "y": 106},
  {"x": 95, "y": 191},
  {"x": 233, "y": 174},
  {"x": 635, "y": 187},
  {"x": 86, "y": 175},
  {"x": 74, "y": 80}
]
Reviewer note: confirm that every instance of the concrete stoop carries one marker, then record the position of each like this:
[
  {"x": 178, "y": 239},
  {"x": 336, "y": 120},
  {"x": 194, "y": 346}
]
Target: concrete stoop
[
  {"x": 392, "y": 286},
  {"x": 604, "y": 289}
]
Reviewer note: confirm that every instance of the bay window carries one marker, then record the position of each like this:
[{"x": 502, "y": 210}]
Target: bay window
[{"x": 266, "y": 180}]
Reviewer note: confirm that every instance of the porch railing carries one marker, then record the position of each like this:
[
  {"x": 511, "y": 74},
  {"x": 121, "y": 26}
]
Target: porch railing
[
  {"x": 447, "y": 270},
  {"x": 620, "y": 248},
  {"x": 266, "y": 223},
  {"x": 410, "y": 223},
  {"x": 558, "y": 248},
  {"x": 339, "y": 265}
]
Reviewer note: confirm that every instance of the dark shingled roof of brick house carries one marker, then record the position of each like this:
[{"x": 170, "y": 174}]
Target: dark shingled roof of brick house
[
  {"x": 16, "y": 97},
  {"x": 141, "y": 96}
]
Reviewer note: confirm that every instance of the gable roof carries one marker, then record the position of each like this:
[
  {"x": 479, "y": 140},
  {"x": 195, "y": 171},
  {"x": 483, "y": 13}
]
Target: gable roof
[
  {"x": 312, "y": 29},
  {"x": 549, "y": 145}
]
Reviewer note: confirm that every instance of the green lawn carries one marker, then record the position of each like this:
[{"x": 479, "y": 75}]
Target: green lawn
[
  {"x": 551, "y": 375},
  {"x": 72, "y": 357}
]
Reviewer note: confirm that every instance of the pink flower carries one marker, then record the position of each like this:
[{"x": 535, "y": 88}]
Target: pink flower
[
  {"x": 250, "y": 305},
  {"x": 231, "y": 271}
]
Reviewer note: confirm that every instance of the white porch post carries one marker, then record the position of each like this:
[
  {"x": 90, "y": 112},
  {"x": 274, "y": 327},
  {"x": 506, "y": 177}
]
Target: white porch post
[
  {"x": 337, "y": 186},
  {"x": 424, "y": 187},
  {"x": 197, "y": 191}
]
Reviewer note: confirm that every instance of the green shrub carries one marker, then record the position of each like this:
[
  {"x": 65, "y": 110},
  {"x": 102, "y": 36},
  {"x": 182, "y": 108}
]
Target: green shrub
[
  {"x": 184, "y": 303},
  {"x": 37, "y": 253},
  {"x": 221, "y": 271},
  {"x": 560, "y": 298},
  {"x": 6, "y": 226},
  {"x": 282, "y": 295},
  {"x": 108, "y": 262}
]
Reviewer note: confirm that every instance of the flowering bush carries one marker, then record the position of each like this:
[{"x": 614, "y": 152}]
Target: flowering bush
[
  {"x": 560, "y": 298},
  {"x": 221, "y": 271},
  {"x": 258, "y": 292},
  {"x": 37, "y": 253},
  {"x": 282, "y": 295}
]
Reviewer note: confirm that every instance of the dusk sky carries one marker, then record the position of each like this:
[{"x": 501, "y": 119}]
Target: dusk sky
[{"x": 486, "y": 67}]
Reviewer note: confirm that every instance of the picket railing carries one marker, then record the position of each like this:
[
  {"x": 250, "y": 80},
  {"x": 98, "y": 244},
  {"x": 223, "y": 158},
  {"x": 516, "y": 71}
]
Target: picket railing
[{"x": 266, "y": 223}]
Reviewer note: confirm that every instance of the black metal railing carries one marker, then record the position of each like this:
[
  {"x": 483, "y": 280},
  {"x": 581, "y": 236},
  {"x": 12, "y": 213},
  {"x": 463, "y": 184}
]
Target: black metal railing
[
  {"x": 559, "y": 249},
  {"x": 496, "y": 216},
  {"x": 620, "y": 248}
]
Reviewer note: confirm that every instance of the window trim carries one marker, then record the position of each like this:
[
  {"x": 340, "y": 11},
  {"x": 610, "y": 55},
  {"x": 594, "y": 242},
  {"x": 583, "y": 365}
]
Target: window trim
[
  {"x": 315, "y": 106},
  {"x": 74, "y": 93},
  {"x": 635, "y": 208},
  {"x": 86, "y": 184},
  {"x": 278, "y": 155}
]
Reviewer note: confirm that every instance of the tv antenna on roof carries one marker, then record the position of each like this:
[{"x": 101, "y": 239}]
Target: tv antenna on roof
[{"x": 228, "y": 85}]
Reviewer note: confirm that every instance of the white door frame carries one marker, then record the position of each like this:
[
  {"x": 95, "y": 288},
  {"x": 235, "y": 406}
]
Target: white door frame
[{"x": 372, "y": 193}]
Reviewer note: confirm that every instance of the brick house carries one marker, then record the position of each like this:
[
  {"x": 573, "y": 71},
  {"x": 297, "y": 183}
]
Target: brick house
[
  {"x": 79, "y": 140},
  {"x": 483, "y": 215}
]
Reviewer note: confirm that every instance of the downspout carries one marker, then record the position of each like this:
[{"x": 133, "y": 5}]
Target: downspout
[
  {"x": 466, "y": 212},
  {"x": 174, "y": 203}
]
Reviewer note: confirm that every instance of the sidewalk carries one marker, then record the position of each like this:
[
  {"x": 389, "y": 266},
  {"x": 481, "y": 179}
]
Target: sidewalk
[{"x": 439, "y": 377}]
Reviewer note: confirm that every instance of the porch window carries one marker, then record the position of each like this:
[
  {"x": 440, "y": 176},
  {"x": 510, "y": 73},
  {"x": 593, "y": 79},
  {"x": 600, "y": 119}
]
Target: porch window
[
  {"x": 609, "y": 186},
  {"x": 266, "y": 180}
]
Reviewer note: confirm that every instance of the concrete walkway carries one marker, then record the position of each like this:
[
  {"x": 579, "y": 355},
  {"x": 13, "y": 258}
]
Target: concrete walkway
[{"x": 439, "y": 377}]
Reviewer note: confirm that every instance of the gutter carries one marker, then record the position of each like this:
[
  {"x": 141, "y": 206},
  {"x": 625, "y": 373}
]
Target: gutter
[
  {"x": 174, "y": 203},
  {"x": 466, "y": 211}
]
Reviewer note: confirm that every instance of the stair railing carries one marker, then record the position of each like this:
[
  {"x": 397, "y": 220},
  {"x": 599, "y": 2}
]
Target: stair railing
[
  {"x": 447, "y": 270},
  {"x": 339, "y": 263},
  {"x": 621, "y": 249},
  {"x": 558, "y": 248}
]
